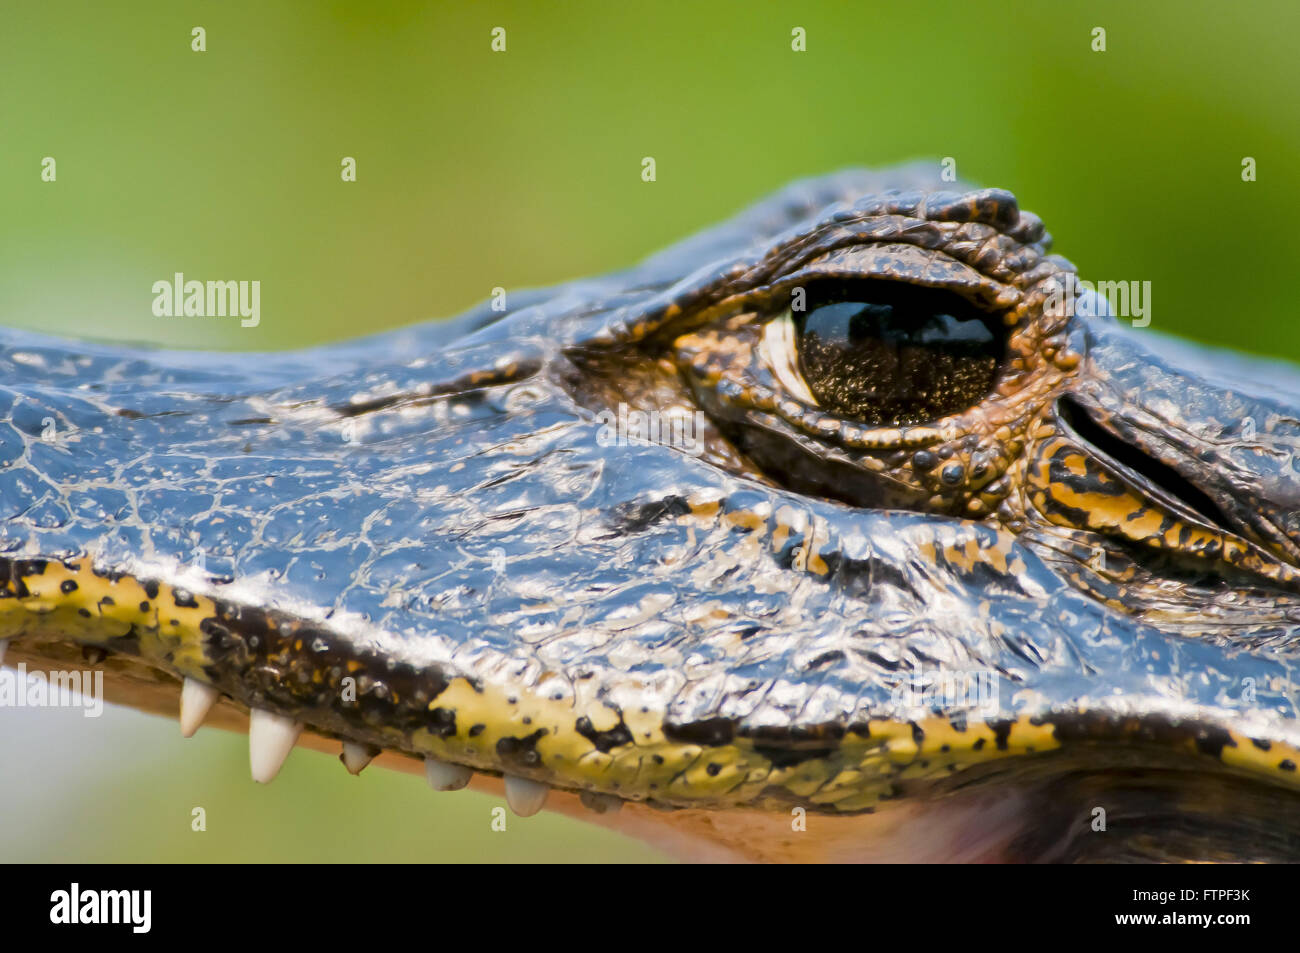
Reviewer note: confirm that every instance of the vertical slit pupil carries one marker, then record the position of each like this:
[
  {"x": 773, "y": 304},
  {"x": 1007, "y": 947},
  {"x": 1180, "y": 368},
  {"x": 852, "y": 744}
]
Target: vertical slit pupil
[{"x": 886, "y": 352}]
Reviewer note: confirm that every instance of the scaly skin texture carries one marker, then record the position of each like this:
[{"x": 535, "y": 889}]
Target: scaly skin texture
[{"x": 424, "y": 543}]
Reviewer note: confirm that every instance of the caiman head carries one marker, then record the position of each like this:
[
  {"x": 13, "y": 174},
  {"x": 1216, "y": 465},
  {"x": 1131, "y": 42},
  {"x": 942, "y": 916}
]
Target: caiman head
[{"x": 850, "y": 529}]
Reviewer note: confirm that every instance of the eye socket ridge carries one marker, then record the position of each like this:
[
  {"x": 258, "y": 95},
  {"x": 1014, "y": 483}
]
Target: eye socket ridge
[{"x": 885, "y": 353}]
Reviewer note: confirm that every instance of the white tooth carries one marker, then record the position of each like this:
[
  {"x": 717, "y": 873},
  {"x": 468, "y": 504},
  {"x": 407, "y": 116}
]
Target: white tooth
[
  {"x": 446, "y": 777},
  {"x": 197, "y": 700},
  {"x": 525, "y": 797},
  {"x": 270, "y": 739},
  {"x": 4, "y": 644},
  {"x": 355, "y": 757}
]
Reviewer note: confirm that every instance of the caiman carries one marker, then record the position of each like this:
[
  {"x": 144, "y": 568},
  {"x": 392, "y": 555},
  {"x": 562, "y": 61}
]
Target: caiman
[{"x": 853, "y": 528}]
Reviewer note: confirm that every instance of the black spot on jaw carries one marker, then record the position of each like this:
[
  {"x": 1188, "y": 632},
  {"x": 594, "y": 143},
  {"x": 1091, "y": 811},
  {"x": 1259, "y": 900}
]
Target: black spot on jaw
[
  {"x": 1212, "y": 740},
  {"x": 787, "y": 747},
  {"x": 790, "y": 757},
  {"x": 521, "y": 752},
  {"x": 17, "y": 569},
  {"x": 68, "y": 586},
  {"x": 710, "y": 733},
  {"x": 29, "y": 567},
  {"x": 443, "y": 722},
  {"x": 604, "y": 741},
  {"x": 219, "y": 639}
]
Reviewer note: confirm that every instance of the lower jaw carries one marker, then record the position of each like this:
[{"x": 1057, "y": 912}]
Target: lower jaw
[
  {"x": 962, "y": 829},
  {"x": 1044, "y": 814}
]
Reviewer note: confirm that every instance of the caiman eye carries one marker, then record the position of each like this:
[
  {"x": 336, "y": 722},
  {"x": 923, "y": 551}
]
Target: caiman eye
[{"x": 886, "y": 352}]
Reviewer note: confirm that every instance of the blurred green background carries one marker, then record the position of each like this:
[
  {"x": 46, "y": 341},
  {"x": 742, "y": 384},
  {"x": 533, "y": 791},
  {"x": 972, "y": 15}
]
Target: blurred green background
[{"x": 478, "y": 169}]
